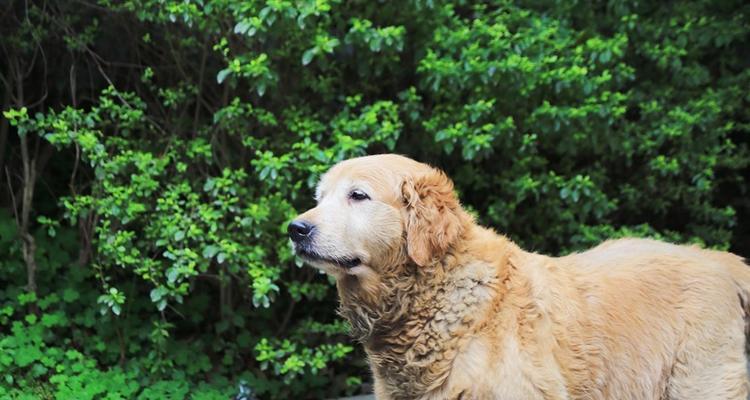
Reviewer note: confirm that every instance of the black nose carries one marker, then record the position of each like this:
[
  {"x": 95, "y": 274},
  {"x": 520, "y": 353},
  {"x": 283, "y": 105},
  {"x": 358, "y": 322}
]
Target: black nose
[{"x": 299, "y": 230}]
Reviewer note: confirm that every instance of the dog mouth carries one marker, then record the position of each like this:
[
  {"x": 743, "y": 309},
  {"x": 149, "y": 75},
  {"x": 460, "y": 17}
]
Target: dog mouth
[{"x": 344, "y": 262}]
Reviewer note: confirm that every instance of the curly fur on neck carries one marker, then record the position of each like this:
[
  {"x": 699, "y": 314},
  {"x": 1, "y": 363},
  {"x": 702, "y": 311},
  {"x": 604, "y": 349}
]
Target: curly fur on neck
[{"x": 413, "y": 326}]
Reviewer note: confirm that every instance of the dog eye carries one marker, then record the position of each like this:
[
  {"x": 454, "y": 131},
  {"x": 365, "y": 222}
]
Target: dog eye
[{"x": 358, "y": 195}]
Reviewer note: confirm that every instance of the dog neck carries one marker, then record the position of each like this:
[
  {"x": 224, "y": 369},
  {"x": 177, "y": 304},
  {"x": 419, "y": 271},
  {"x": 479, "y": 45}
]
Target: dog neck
[{"x": 413, "y": 320}]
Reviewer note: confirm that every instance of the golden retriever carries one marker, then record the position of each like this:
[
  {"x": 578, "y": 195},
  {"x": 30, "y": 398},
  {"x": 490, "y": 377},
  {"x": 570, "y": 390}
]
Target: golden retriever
[{"x": 447, "y": 309}]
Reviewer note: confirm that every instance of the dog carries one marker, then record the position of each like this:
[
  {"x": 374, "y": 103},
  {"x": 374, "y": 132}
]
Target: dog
[{"x": 448, "y": 309}]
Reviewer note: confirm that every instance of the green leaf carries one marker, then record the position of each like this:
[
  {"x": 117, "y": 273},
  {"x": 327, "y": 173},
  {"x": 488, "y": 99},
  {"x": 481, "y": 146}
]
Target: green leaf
[
  {"x": 210, "y": 251},
  {"x": 308, "y": 55},
  {"x": 172, "y": 275},
  {"x": 157, "y": 294},
  {"x": 222, "y": 75},
  {"x": 242, "y": 27},
  {"x": 261, "y": 89}
]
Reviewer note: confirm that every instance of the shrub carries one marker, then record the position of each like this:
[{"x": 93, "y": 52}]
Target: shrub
[{"x": 155, "y": 150}]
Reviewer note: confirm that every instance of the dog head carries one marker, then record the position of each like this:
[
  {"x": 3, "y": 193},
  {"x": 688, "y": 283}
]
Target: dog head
[{"x": 376, "y": 213}]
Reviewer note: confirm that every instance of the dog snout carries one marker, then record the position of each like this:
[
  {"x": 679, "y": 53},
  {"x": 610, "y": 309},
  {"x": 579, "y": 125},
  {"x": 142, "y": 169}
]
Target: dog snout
[{"x": 299, "y": 230}]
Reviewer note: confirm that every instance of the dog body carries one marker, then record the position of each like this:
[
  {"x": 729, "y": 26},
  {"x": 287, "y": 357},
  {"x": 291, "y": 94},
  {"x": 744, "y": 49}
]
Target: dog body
[{"x": 447, "y": 309}]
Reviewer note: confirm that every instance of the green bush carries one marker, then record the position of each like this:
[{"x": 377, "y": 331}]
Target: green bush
[{"x": 166, "y": 144}]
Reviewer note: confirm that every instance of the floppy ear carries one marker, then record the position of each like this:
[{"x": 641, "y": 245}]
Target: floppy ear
[{"x": 433, "y": 221}]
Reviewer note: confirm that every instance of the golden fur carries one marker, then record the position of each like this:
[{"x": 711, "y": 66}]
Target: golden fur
[{"x": 447, "y": 309}]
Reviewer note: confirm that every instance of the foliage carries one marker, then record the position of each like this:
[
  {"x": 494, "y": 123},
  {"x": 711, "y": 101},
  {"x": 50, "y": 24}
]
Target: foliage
[{"x": 175, "y": 139}]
